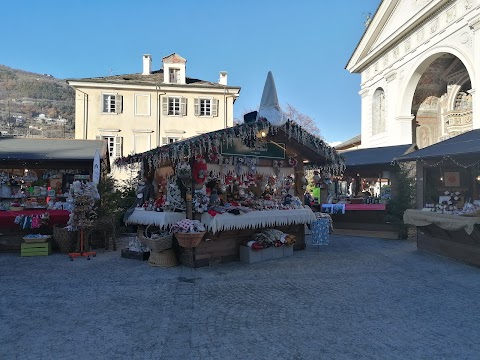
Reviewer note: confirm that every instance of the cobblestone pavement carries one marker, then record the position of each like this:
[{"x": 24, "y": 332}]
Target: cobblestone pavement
[{"x": 357, "y": 298}]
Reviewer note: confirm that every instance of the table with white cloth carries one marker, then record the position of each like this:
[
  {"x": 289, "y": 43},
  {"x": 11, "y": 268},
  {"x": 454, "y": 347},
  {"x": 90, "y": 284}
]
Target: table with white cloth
[
  {"x": 455, "y": 236},
  {"x": 257, "y": 219},
  {"x": 162, "y": 219}
]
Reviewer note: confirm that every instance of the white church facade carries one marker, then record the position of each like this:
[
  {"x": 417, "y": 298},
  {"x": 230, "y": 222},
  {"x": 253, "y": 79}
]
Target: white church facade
[{"x": 419, "y": 62}]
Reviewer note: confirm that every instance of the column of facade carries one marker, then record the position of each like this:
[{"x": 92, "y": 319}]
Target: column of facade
[
  {"x": 364, "y": 125},
  {"x": 474, "y": 24}
]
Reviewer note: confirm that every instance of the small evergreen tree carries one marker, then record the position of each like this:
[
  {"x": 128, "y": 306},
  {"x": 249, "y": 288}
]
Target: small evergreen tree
[{"x": 403, "y": 197}]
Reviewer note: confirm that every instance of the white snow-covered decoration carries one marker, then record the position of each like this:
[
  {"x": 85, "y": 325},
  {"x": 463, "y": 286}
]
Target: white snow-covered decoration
[
  {"x": 269, "y": 106},
  {"x": 174, "y": 196},
  {"x": 257, "y": 219},
  {"x": 83, "y": 197},
  {"x": 161, "y": 219}
]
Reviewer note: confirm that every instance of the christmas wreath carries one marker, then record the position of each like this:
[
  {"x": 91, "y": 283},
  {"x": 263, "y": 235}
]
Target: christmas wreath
[{"x": 200, "y": 171}]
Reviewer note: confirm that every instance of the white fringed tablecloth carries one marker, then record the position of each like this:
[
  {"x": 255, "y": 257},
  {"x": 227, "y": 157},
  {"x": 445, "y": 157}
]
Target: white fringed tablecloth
[
  {"x": 160, "y": 219},
  {"x": 444, "y": 221},
  {"x": 257, "y": 219}
]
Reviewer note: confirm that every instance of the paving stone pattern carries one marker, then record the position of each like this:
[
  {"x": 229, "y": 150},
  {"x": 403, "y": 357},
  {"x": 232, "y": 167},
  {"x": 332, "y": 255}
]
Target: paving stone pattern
[{"x": 357, "y": 298}]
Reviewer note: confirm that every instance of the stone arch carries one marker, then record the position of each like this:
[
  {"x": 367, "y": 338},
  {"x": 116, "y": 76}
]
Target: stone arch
[
  {"x": 416, "y": 71},
  {"x": 436, "y": 94}
]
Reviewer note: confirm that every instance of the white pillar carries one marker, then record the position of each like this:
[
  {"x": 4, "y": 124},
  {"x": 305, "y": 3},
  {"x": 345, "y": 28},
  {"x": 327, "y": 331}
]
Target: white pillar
[
  {"x": 474, "y": 24},
  {"x": 366, "y": 123},
  {"x": 403, "y": 134}
]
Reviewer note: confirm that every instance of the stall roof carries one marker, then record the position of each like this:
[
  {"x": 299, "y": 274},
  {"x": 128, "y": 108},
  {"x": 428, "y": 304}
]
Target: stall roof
[
  {"x": 461, "y": 145},
  {"x": 313, "y": 148},
  {"x": 24, "y": 149},
  {"x": 375, "y": 156}
]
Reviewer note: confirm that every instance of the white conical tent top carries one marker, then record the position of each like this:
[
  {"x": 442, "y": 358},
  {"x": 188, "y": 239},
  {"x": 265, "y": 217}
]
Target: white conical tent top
[{"x": 269, "y": 106}]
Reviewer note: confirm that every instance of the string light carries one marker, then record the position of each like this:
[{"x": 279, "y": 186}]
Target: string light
[{"x": 440, "y": 162}]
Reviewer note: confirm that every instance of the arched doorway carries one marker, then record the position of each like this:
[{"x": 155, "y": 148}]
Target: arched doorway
[{"x": 442, "y": 103}]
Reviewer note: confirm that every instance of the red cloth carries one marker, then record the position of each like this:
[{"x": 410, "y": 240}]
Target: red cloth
[
  {"x": 56, "y": 217},
  {"x": 370, "y": 207}
]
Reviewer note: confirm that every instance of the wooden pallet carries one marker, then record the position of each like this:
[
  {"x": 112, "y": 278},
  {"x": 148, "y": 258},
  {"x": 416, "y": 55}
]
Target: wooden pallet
[{"x": 36, "y": 249}]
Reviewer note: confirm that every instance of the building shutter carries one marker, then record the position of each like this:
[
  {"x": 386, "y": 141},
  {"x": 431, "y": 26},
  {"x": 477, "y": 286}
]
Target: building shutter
[
  {"x": 103, "y": 103},
  {"x": 165, "y": 106},
  {"x": 196, "y": 106},
  {"x": 164, "y": 141},
  {"x": 214, "y": 107},
  {"x": 118, "y": 104},
  {"x": 118, "y": 146},
  {"x": 183, "y": 106}
]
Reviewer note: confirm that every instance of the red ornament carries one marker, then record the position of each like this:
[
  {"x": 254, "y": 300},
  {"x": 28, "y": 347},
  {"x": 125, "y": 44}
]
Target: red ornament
[{"x": 200, "y": 171}]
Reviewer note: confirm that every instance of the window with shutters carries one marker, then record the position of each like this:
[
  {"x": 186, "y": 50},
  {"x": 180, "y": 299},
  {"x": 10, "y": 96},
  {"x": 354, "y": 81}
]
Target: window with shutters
[
  {"x": 174, "y": 106},
  {"x": 206, "y": 107},
  {"x": 169, "y": 140},
  {"x": 114, "y": 146},
  {"x": 112, "y": 103}
]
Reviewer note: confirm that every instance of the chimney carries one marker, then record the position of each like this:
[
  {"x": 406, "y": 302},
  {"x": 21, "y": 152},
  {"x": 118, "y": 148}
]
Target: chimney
[
  {"x": 223, "y": 78},
  {"x": 147, "y": 64}
]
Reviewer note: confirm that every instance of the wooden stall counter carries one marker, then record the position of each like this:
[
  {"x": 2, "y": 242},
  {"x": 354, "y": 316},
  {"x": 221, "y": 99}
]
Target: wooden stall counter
[
  {"x": 12, "y": 233},
  {"x": 365, "y": 217},
  {"x": 226, "y": 232},
  {"x": 454, "y": 236}
]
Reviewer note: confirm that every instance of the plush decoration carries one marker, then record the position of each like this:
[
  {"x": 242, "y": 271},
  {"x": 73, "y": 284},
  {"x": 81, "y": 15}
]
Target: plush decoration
[
  {"x": 200, "y": 171},
  {"x": 183, "y": 171}
]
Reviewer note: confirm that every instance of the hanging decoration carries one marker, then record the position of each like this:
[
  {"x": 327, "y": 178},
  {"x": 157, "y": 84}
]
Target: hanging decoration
[
  {"x": 182, "y": 151},
  {"x": 213, "y": 155},
  {"x": 183, "y": 171},
  {"x": 292, "y": 161}
]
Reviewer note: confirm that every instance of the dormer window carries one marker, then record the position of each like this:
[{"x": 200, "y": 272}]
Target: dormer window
[{"x": 174, "y": 75}]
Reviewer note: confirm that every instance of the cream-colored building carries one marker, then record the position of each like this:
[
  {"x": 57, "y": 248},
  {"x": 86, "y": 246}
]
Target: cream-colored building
[
  {"x": 137, "y": 112},
  {"x": 419, "y": 62}
]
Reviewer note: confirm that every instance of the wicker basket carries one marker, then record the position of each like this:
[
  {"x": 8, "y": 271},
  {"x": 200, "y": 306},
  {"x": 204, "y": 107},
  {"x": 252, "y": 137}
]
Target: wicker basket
[
  {"x": 64, "y": 240},
  {"x": 166, "y": 258},
  {"x": 155, "y": 244},
  {"x": 189, "y": 240},
  {"x": 35, "y": 240}
]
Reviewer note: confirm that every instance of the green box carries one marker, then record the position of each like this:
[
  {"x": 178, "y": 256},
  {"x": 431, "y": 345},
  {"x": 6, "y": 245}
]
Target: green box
[{"x": 36, "y": 249}]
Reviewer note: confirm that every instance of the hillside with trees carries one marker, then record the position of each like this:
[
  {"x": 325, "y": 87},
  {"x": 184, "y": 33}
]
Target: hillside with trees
[{"x": 24, "y": 96}]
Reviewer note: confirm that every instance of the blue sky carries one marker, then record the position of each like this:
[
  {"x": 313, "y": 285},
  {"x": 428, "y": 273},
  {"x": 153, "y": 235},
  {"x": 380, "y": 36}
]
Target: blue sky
[{"x": 305, "y": 43}]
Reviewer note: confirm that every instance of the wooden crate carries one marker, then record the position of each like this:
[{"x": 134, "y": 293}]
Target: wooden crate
[{"x": 36, "y": 249}]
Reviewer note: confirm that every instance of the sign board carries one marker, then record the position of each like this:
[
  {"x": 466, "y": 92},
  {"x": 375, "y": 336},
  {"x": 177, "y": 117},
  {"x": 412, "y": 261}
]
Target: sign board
[
  {"x": 263, "y": 149},
  {"x": 96, "y": 168}
]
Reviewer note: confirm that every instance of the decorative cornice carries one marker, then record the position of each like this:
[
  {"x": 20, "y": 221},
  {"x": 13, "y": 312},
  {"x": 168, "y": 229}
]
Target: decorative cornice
[
  {"x": 364, "y": 92},
  {"x": 474, "y": 23},
  {"x": 391, "y": 76},
  {"x": 145, "y": 131},
  {"x": 405, "y": 118},
  {"x": 109, "y": 130}
]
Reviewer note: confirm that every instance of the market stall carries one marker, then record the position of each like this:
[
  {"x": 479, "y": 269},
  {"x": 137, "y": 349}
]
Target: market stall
[
  {"x": 236, "y": 182},
  {"x": 35, "y": 176},
  {"x": 364, "y": 189},
  {"x": 455, "y": 236},
  {"x": 448, "y": 197}
]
